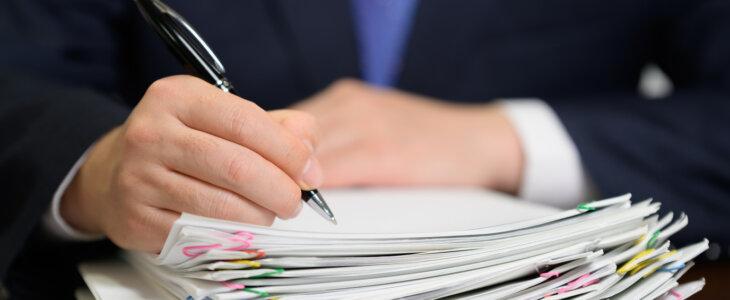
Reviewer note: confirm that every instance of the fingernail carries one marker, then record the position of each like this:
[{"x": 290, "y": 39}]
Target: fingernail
[
  {"x": 298, "y": 210},
  {"x": 312, "y": 174}
]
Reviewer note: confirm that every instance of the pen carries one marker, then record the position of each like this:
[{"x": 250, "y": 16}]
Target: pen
[{"x": 200, "y": 61}]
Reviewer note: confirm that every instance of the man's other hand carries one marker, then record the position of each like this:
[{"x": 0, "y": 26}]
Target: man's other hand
[{"x": 384, "y": 137}]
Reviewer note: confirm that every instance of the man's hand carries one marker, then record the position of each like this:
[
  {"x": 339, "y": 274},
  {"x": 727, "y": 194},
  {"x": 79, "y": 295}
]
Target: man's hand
[
  {"x": 190, "y": 147},
  {"x": 385, "y": 137}
]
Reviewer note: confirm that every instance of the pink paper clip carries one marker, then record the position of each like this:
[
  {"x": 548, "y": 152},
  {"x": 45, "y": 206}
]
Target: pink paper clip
[
  {"x": 246, "y": 238},
  {"x": 548, "y": 274},
  {"x": 676, "y": 294},
  {"x": 571, "y": 284},
  {"x": 590, "y": 282},
  {"x": 193, "y": 255},
  {"x": 233, "y": 286}
]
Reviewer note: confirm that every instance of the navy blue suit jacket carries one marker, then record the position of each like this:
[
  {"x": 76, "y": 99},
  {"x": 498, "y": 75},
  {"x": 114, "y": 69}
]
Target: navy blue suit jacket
[{"x": 583, "y": 57}]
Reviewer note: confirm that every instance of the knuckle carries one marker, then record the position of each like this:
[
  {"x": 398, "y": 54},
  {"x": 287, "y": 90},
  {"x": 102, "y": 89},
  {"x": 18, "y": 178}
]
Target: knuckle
[
  {"x": 169, "y": 90},
  {"x": 347, "y": 84},
  {"x": 238, "y": 169},
  {"x": 357, "y": 105},
  {"x": 162, "y": 87},
  {"x": 127, "y": 179},
  {"x": 222, "y": 206},
  {"x": 126, "y": 232},
  {"x": 237, "y": 121},
  {"x": 140, "y": 132},
  {"x": 242, "y": 123},
  {"x": 177, "y": 191}
]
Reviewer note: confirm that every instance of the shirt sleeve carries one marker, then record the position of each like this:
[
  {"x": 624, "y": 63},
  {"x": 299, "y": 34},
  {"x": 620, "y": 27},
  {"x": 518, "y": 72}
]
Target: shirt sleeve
[
  {"x": 553, "y": 172},
  {"x": 53, "y": 222}
]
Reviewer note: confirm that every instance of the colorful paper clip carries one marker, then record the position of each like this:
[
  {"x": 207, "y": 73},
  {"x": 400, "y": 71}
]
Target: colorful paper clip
[
  {"x": 243, "y": 288},
  {"x": 252, "y": 264},
  {"x": 549, "y": 274},
  {"x": 233, "y": 286},
  {"x": 573, "y": 283},
  {"x": 627, "y": 266},
  {"x": 256, "y": 292},
  {"x": 590, "y": 282},
  {"x": 651, "y": 243},
  {"x": 584, "y": 206},
  {"x": 670, "y": 253},
  {"x": 248, "y": 237},
  {"x": 259, "y": 254},
  {"x": 671, "y": 269}
]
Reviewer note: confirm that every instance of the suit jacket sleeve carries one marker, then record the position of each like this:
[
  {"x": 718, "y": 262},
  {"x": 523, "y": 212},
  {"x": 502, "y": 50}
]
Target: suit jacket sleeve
[{"x": 677, "y": 149}]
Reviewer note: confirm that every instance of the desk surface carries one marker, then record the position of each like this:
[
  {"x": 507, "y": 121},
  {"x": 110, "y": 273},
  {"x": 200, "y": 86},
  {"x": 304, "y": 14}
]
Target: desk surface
[{"x": 717, "y": 276}]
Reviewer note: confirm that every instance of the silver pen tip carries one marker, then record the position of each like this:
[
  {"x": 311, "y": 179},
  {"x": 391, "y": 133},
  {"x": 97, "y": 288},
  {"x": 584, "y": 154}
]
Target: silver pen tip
[{"x": 314, "y": 199}]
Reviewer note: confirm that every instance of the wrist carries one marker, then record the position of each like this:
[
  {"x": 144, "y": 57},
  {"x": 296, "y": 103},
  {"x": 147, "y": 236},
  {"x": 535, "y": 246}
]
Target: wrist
[
  {"x": 501, "y": 150},
  {"x": 74, "y": 206},
  {"x": 79, "y": 203}
]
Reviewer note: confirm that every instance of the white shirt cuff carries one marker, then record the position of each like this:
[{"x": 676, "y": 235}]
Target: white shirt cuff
[
  {"x": 53, "y": 223},
  {"x": 553, "y": 173}
]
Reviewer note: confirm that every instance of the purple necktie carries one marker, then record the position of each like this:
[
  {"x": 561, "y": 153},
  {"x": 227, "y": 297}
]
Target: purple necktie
[{"x": 382, "y": 28}]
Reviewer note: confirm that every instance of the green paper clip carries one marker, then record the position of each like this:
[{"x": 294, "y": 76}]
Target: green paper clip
[
  {"x": 649, "y": 244},
  {"x": 583, "y": 206},
  {"x": 256, "y": 292}
]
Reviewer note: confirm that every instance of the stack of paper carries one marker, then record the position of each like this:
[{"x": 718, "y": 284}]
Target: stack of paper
[{"x": 607, "y": 248}]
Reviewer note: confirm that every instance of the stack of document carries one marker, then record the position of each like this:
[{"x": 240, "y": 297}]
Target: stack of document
[{"x": 611, "y": 248}]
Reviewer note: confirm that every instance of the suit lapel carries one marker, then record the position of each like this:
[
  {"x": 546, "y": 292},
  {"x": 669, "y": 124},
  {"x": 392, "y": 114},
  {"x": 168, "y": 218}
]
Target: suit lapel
[{"x": 320, "y": 38}]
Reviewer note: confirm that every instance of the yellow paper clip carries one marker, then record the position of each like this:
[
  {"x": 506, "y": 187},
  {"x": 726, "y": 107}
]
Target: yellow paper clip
[
  {"x": 670, "y": 253},
  {"x": 625, "y": 268},
  {"x": 253, "y": 264}
]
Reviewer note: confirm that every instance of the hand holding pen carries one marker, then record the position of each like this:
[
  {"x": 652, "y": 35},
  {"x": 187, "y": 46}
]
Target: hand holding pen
[
  {"x": 190, "y": 147},
  {"x": 200, "y": 61}
]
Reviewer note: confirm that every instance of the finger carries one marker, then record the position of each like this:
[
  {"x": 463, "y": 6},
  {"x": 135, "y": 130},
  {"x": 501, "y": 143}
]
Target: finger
[
  {"x": 301, "y": 124},
  {"x": 232, "y": 167},
  {"x": 145, "y": 231},
  {"x": 201, "y": 106},
  {"x": 183, "y": 193},
  {"x": 161, "y": 222}
]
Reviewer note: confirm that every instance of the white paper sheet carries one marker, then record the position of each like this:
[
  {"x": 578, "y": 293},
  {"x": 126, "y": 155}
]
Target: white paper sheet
[{"x": 361, "y": 210}]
